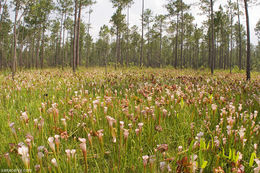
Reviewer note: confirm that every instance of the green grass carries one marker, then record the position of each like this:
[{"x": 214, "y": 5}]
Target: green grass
[{"x": 173, "y": 105}]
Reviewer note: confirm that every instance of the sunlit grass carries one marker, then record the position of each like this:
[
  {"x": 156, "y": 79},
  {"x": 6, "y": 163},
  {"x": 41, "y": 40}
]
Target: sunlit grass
[{"x": 129, "y": 120}]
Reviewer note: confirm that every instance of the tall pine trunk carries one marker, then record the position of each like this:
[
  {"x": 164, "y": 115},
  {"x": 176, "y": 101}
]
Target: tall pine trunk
[
  {"x": 15, "y": 40},
  {"x": 182, "y": 30},
  {"x": 248, "y": 43},
  {"x": 142, "y": 39},
  {"x": 240, "y": 38},
  {"x": 74, "y": 38},
  {"x": 176, "y": 44},
  {"x": 212, "y": 38},
  {"x": 78, "y": 33}
]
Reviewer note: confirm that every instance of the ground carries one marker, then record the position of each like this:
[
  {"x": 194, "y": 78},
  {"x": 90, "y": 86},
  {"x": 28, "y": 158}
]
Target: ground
[{"x": 129, "y": 120}]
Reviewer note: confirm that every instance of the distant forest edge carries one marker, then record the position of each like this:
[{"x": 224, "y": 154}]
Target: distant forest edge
[{"x": 35, "y": 39}]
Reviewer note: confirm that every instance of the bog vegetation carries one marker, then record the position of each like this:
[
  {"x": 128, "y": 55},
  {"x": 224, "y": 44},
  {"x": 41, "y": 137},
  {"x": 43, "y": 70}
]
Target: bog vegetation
[{"x": 129, "y": 120}]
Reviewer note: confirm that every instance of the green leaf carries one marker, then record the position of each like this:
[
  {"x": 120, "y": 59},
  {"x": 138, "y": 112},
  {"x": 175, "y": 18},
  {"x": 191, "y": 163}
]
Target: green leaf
[
  {"x": 204, "y": 164},
  {"x": 182, "y": 103},
  {"x": 230, "y": 154},
  {"x": 208, "y": 145},
  {"x": 191, "y": 146},
  {"x": 251, "y": 162}
]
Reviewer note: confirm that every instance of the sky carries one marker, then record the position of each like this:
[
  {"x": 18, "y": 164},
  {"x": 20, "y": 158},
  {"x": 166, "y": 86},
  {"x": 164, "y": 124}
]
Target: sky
[{"x": 103, "y": 10}]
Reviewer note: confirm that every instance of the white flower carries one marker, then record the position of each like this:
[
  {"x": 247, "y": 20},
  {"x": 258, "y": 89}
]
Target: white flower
[
  {"x": 73, "y": 151},
  {"x": 83, "y": 146},
  {"x": 54, "y": 162},
  {"x": 214, "y": 107},
  {"x": 51, "y": 143},
  {"x": 68, "y": 152},
  {"x": 121, "y": 124},
  {"x": 257, "y": 169},
  {"x": 162, "y": 165},
  {"x": 23, "y": 150},
  {"x": 40, "y": 155},
  {"x": 145, "y": 160},
  {"x": 140, "y": 125}
]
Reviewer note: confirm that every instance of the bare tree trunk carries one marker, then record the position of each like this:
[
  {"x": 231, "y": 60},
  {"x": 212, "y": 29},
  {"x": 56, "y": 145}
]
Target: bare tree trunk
[
  {"x": 88, "y": 46},
  {"x": 231, "y": 43},
  {"x": 42, "y": 47},
  {"x": 176, "y": 44},
  {"x": 74, "y": 38},
  {"x": 1, "y": 43},
  {"x": 117, "y": 47},
  {"x": 14, "y": 37},
  {"x": 63, "y": 44},
  {"x": 248, "y": 43},
  {"x": 212, "y": 37},
  {"x": 240, "y": 38},
  {"x": 38, "y": 48},
  {"x": 60, "y": 48},
  {"x": 182, "y": 23},
  {"x": 160, "y": 55},
  {"x": 142, "y": 40},
  {"x": 148, "y": 44},
  {"x": 127, "y": 39},
  {"x": 78, "y": 33}
]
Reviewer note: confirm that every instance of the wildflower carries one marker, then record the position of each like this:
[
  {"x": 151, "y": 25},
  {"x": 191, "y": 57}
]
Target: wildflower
[
  {"x": 224, "y": 140},
  {"x": 110, "y": 121},
  {"x": 219, "y": 170},
  {"x": 35, "y": 122},
  {"x": 63, "y": 120},
  {"x": 126, "y": 134},
  {"x": 40, "y": 148},
  {"x": 90, "y": 139},
  {"x": 242, "y": 132},
  {"x": 11, "y": 125},
  {"x": 105, "y": 110},
  {"x": 140, "y": 125},
  {"x": 164, "y": 112},
  {"x": 37, "y": 168},
  {"x": 162, "y": 166},
  {"x": 54, "y": 162},
  {"x": 23, "y": 151},
  {"x": 255, "y": 147},
  {"x": 28, "y": 142},
  {"x": 57, "y": 141},
  {"x": 255, "y": 114},
  {"x": 240, "y": 107},
  {"x": 68, "y": 152},
  {"x": 51, "y": 143},
  {"x": 121, "y": 124},
  {"x": 180, "y": 148},
  {"x": 216, "y": 141},
  {"x": 199, "y": 135},
  {"x": 257, "y": 169},
  {"x": 100, "y": 134},
  {"x": 137, "y": 131},
  {"x": 229, "y": 130},
  {"x": 214, "y": 107},
  {"x": 73, "y": 152},
  {"x": 40, "y": 155},
  {"x": 8, "y": 159},
  {"x": 83, "y": 146},
  {"x": 145, "y": 160},
  {"x": 162, "y": 147},
  {"x": 24, "y": 117}
]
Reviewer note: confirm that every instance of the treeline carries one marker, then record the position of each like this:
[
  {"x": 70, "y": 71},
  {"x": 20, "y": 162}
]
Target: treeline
[{"x": 46, "y": 33}]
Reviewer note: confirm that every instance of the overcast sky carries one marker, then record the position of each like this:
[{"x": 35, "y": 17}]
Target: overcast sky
[{"x": 102, "y": 12}]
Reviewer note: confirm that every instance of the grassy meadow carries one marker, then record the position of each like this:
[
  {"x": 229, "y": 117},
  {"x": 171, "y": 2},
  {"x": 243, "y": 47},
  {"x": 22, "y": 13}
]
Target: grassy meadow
[{"x": 129, "y": 120}]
